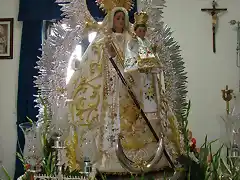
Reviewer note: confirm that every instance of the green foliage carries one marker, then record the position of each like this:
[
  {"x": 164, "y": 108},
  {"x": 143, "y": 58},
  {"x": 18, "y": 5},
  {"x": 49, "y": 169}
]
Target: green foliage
[
  {"x": 68, "y": 172},
  {"x": 217, "y": 168},
  {"x": 49, "y": 164},
  {"x": 21, "y": 158},
  {"x": 207, "y": 160},
  {"x": 49, "y": 157},
  {"x": 30, "y": 120},
  {"x": 230, "y": 170},
  {"x": 202, "y": 165},
  {"x": 184, "y": 126},
  {"x": 6, "y": 173},
  {"x": 208, "y": 164}
]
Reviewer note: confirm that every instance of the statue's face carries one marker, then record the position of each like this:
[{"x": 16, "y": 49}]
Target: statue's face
[
  {"x": 141, "y": 32},
  {"x": 119, "y": 20}
]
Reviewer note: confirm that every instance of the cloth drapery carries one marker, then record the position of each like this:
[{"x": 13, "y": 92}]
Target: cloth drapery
[{"x": 32, "y": 13}]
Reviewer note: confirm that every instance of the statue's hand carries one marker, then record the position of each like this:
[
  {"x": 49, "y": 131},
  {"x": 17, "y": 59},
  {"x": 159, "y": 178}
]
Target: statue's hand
[
  {"x": 111, "y": 50},
  {"x": 154, "y": 48}
]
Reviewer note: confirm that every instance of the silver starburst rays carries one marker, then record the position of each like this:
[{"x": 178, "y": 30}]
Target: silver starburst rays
[{"x": 56, "y": 53}]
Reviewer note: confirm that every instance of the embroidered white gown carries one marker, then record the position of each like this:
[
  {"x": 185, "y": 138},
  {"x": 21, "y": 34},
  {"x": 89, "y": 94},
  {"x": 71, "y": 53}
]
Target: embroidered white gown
[{"x": 102, "y": 109}]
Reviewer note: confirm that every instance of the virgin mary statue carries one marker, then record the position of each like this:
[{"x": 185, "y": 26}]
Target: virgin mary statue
[{"x": 101, "y": 107}]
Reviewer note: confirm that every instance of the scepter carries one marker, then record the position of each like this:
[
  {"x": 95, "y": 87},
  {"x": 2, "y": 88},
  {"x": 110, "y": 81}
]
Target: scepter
[
  {"x": 160, "y": 150},
  {"x": 227, "y": 97}
]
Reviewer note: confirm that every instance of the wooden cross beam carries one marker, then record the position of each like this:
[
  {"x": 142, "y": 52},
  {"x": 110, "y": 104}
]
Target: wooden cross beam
[{"x": 214, "y": 13}]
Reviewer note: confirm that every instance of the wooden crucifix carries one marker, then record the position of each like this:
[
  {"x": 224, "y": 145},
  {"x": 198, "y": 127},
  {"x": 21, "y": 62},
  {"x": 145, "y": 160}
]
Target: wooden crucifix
[{"x": 214, "y": 13}]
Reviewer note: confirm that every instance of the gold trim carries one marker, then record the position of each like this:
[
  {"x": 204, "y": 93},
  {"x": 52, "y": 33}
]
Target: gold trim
[
  {"x": 109, "y": 5},
  {"x": 140, "y": 18}
]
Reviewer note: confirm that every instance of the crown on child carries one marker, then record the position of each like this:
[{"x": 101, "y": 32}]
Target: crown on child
[{"x": 140, "y": 18}]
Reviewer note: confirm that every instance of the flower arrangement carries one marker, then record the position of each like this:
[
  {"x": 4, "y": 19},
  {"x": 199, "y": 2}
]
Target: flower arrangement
[
  {"x": 202, "y": 163},
  {"x": 198, "y": 163}
]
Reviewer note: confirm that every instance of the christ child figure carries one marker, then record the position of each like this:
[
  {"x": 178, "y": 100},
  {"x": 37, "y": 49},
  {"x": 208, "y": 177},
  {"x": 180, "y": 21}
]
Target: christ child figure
[
  {"x": 140, "y": 53},
  {"x": 141, "y": 64}
]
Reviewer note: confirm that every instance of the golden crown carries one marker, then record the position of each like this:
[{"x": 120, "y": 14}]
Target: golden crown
[
  {"x": 108, "y": 5},
  {"x": 140, "y": 18}
]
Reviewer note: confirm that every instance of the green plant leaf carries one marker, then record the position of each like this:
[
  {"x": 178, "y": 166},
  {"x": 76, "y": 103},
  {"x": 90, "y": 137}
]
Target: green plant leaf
[
  {"x": 207, "y": 176},
  {"x": 6, "y": 173},
  {"x": 203, "y": 154},
  {"x": 142, "y": 177},
  {"x": 189, "y": 173},
  {"x": 183, "y": 119},
  {"x": 214, "y": 164},
  {"x": 49, "y": 163},
  {"x": 225, "y": 167},
  {"x": 132, "y": 177},
  {"x": 211, "y": 142},
  {"x": 29, "y": 119},
  {"x": 53, "y": 162},
  {"x": 20, "y": 157},
  {"x": 101, "y": 175},
  {"x": 205, "y": 143}
]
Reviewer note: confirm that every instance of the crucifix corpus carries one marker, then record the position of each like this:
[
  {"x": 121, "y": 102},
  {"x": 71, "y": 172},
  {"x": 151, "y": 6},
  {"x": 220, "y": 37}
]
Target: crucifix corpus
[{"x": 214, "y": 13}]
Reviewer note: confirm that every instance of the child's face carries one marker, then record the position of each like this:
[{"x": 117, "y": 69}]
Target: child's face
[{"x": 141, "y": 32}]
